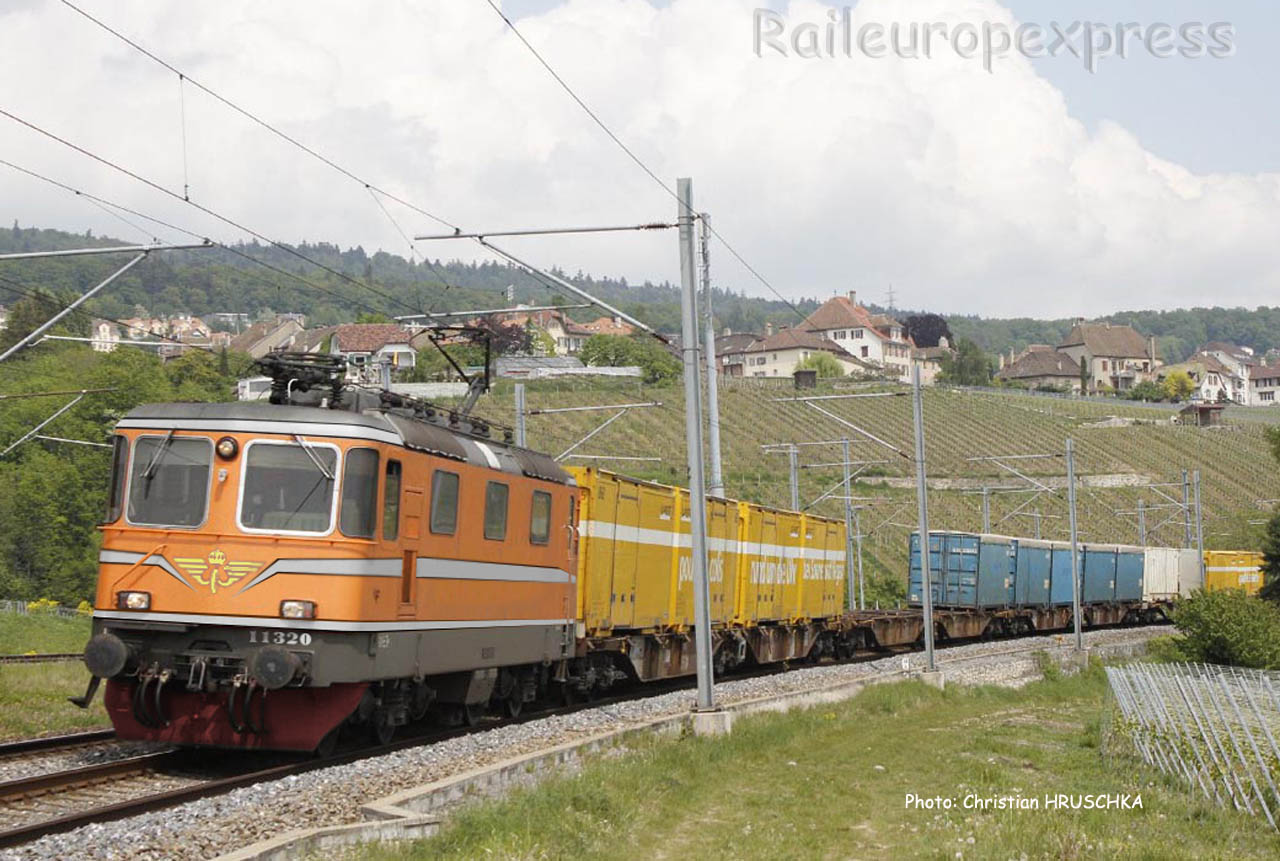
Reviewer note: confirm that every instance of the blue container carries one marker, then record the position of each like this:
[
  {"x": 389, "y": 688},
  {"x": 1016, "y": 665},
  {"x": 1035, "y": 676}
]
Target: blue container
[
  {"x": 1099, "y": 574},
  {"x": 1060, "y": 586},
  {"x": 953, "y": 569},
  {"x": 1035, "y": 573},
  {"x": 1129, "y": 567},
  {"x": 997, "y": 564},
  {"x": 915, "y": 595}
]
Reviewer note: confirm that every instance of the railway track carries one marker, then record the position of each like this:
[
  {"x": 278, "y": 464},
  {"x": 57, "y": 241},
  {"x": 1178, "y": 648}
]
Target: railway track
[
  {"x": 62, "y": 801},
  {"x": 51, "y": 743},
  {"x": 49, "y": 658}
]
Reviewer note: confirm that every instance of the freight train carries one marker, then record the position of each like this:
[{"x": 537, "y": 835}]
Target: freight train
[{"x": 342, "y": 557}]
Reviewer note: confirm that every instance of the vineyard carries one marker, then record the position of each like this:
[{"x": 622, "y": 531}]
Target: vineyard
[{"x": 1118, "y": 445}]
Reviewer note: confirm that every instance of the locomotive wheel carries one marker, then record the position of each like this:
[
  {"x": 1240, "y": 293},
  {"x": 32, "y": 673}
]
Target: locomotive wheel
[
  {"x": 514, "y": 703},
  {"x": 381, "y": 727},
  {"x": 471, "y": 713},
  {"x": 328, "y": 744}
]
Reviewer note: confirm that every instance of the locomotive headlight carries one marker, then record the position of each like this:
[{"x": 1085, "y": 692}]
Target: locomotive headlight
[
  {"x": 227, "y": 447},
  {"x": 133, "y": 600},
  {"x": 291, "y": 609}
]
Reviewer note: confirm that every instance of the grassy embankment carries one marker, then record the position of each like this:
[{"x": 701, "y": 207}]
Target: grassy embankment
[
  {"x": 830, "y": 782},
  {"x": 33, "y": 697}
]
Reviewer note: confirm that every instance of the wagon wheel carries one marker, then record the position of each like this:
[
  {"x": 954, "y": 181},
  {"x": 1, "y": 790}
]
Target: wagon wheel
[
  {"x": 472, "y": 712},
  {"x": 514, "y": 703}
]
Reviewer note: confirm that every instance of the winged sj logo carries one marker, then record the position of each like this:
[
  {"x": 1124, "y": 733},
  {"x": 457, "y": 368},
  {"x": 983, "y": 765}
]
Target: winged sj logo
[{"x": 214, "y": 570}]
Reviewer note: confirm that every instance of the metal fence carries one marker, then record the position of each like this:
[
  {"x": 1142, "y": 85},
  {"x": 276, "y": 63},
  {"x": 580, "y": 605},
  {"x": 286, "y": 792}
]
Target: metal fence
[
  {"x": 21, "y": 608},
  {"x": 1214, "y": 727}
]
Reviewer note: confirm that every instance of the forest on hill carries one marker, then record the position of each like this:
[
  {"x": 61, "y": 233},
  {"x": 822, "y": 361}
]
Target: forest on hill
[{"x": 261, "y": 279}]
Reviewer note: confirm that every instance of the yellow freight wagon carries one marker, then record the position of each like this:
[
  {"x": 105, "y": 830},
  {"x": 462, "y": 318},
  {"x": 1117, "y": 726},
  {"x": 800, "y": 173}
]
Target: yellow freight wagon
[
  {"x": 1232, "y": 569},
  {"x": 635, "y": 559}
]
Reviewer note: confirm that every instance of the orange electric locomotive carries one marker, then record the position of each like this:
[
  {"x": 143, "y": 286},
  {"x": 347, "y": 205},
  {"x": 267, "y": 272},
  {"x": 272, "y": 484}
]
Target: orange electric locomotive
[{"x": 270, "y": 573}]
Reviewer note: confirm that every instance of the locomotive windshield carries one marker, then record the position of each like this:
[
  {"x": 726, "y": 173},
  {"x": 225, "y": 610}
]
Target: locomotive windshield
[
  {"x": 169, "y": 481},
  {"x": 288, "y": 487}
]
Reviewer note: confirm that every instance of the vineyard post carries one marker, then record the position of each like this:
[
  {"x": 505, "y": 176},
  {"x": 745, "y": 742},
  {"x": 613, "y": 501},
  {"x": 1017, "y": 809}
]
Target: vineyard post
[
  {"x": 1037, "y": 517},
  {"x": 520, "y": 432},
  {"x": 922, "y": 509},
  {"x": 693, "y": 447},
  {"x": 1142, "y": 523},
  {"x": 986, "y": 511},
  {"x": 1075, "y": 544}
]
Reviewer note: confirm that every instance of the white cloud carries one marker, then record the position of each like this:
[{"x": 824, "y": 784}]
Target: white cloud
[{"x": 968, "y": 191}]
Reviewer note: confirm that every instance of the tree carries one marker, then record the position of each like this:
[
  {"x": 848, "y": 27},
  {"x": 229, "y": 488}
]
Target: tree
[
  {"x": 1178, "y": 386},
  {"x": 1146, "y": 391},
  {"x": 968, "y": 367},
  {"x": 822, "y": 362},
  {"x": 31, "y": 312},
  {"x": 506, "y": 339},
  {"x": 926, "y": 330},
  {"x": 373, "y": 317},
  {"x": 1084, "y": 376},
  {"x": 1271, "y": 559},
  {"x": 657, "y": 364}
]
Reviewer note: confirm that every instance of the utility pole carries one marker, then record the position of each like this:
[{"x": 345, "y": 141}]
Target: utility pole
[
  {"x": 1199, "y": 525},
  {"x": 1186, "y": 509},
  {"x": 1142, "y": 523},
  {"x": 922, "y": 508},
  {"x": 862, "y": 591},
  {"x": 1075, "y": 545},
  {"x": 521, "y": 440},
  {"x": 793, "y": 458},
  {"x": 986, "y": 511},
  {"x": 716, "y": 485},
  {"x": 848, "y": 526},
  {"x": 693, "y": 446}
]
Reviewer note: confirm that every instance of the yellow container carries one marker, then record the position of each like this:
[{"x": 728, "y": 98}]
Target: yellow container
[
  {"x": 1232, "y": 569},
  {"x": 635, "y": 559}
]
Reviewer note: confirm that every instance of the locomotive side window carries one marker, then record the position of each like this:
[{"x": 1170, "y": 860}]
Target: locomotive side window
[
  {"x": 391, "y": 503},
  {"x": 115, "y": 495},
  {"x": 169, "y": 481},
  {"x": 540, "y": 518},
  {"x": 444, "y": 502},
  {"x": 495, "y": 511},
  {"x": 288, "y": 487},
  {"x": 359, "y": 493}
]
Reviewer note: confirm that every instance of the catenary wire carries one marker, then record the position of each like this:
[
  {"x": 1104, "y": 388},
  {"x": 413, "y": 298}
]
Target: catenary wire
[{"x": 635, "y": 158}]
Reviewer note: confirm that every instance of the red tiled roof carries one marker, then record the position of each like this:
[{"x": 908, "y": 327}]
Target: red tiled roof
[
  {"x": 795, "y": 339},
  {"x": 1041, "y": 363},
  {"x": 370, "y": 337},
  {"x": 841, "y": 312},
  {"x": 1108, "y": 341}
]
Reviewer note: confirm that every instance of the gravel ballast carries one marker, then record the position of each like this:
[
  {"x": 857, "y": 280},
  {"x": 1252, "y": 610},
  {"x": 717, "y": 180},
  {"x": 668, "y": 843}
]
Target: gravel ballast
[{"x": 331, "y": 796}]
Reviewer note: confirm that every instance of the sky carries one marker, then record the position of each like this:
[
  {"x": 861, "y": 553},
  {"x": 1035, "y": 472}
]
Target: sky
[{"x": 1034, "y": 187}]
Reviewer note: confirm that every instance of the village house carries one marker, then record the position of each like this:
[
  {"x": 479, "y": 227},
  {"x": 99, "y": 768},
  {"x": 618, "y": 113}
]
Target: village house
[
  {"x": 1040, "y": 366},
  {"x": 1241, "y": 364},
  {"x": 268, "y": 336},
  {"x": 730, "y": 351},
  {"x": 105, "y": 336},
  {"x": 1212, "y": 378},
  {"x": 777, "y": 354},
  {"x": 874, "y": 338},
  {"x": 1115, "y": 356}
]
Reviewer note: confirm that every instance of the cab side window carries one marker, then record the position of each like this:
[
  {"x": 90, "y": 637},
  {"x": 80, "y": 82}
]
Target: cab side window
[
  {"x": 391, "y": 502},
  {"x": 444, "y": 502},
  {"x": 495, "y": 511},
  {"x": 540, "y": 518},
  {"x": 359, "y": 493}
]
